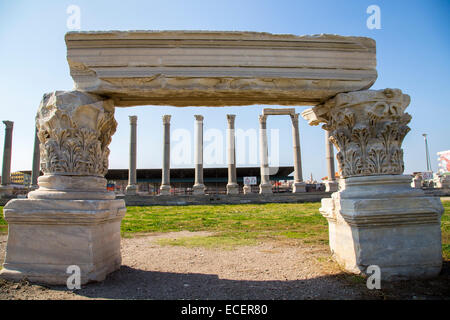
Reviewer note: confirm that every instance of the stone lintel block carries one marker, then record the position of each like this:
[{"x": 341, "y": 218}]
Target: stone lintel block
[
  {"x": 217, "y": 68},
  {"x": 47, "y": 236},
  {"x": 385, "y": 223}
]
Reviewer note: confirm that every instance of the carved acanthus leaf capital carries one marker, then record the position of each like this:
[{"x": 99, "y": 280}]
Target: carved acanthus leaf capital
[
  {"x": 166, "y": 118},
  {"x": 8, "y": 124},
  {"x": 198, "y": 117},
  {"x": 367, "y": 128},
  {"x": 75, "y": 129}
]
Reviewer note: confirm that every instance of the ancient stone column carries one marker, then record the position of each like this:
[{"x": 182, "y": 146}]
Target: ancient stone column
[
  {"x": 331, "y": 184},
  {"x": 265, "y": 185},
  {"x": 165, "y": 183},
  {"x": 199, "y": 187},
  {"x": 376, "y": 218},
  {"x": 36, "y": 162},
  {"x": 132, "y": 187},
  {"x": 232, "y": 185},
  {"x": 7, "y": 151},
  {"x": 299, "y": 185},
  {"x": 71, "y": 219}
]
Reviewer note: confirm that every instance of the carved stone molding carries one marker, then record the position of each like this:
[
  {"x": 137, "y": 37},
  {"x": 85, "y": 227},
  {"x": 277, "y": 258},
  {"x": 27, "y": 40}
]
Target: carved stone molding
[
  {"x": 367, "y": 128},
  {"x": 75, "y": 129}
]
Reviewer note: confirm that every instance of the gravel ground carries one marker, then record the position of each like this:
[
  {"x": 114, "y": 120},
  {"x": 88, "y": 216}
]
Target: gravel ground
[{"x": 270, "y": 270}]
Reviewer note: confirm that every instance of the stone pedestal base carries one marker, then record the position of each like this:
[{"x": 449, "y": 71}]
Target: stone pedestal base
[
  {"x": 265, "y": 188},
  {"x": 381, "y": 220},
  {"x": 131, "y": 189},
  {"x": 331, "y": 186},
  {"x": 416, "y": 183},
  {"x": 6, "y": 191},
  {"x": 198, "y": 189},
  {"x": 232, "y": 188},
  {"x": 247, "y": 189},
  {"x": 46, "y": 236},
  {"x": 164, "y": 190},
  {"x": 298, "y": 187}
]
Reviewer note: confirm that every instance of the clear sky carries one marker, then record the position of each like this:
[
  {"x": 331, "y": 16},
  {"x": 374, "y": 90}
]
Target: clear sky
[{"x": 413, "y": 54}]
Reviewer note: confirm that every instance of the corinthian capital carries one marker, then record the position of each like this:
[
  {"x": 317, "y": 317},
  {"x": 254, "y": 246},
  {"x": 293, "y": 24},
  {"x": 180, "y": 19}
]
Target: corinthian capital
[
  {"x": 8, "y": 124},
  {"x": 198, "y": 117},
  {"x": 166, "y": 118},
  {"x": 75, "y": 129},
  {"x": 367, "y": 128}
]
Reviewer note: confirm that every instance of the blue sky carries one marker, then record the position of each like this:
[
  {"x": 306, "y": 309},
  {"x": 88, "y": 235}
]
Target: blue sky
[{"x": 413, "y": 54}]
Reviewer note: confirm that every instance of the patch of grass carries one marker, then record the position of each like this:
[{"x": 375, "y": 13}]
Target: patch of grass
[
  {"x": 222, "y": 240},
  {"x": 3, "y": 224},
  {"x": 445, "y": 227},
  {"x": 233, "y": 224}
]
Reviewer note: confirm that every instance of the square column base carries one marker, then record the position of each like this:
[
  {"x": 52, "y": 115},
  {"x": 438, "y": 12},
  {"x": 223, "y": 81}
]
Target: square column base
[
  {"x": 381, "y": 220},
  {"x": 265, "y": 188},
  {"x": 298, "y": 187},
  {"x": 131, "y": 189},
  {"x": 331, "y": 186},
  {"x": 6, "y": 191},
  {"x": 47, "y": 236},
  {"x": 232, "y": 188},
  {"x": 247, "y": 189},
  {"x": 198, "y": 189},
  {"x": 164, "y": 190}
]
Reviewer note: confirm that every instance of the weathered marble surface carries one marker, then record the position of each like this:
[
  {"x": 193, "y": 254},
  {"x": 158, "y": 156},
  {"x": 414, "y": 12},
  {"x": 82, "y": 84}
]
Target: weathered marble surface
[
  {"x": 376, "y": 218},
  {"x": 381, "y": 220},
  {"x": 46, "y": 236},
  {"x": 367, "y": 128},
  {"x": 71, "y": 219},
  {"x": 214, "y": 68}
]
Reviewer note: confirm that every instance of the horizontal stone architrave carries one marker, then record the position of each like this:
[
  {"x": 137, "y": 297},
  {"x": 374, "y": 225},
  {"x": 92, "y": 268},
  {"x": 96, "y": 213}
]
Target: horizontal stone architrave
[{"x": 217, "y": 68}]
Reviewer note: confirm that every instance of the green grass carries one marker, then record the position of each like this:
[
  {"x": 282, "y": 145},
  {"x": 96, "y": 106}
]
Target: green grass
[
  {"x": 234, "y": 225},
  {"x": 445, "y": 227},
  {"x": 3, "y": 224}
]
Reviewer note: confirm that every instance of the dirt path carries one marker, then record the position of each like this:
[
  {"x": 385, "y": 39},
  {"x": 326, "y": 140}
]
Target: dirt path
[{"x": 269, "y": 270}]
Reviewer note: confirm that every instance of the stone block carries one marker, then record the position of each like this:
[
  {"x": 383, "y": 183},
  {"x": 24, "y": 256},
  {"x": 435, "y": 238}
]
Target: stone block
[
  {"x": 46, "y": 236},
  {"x": 381, "y": 220}
]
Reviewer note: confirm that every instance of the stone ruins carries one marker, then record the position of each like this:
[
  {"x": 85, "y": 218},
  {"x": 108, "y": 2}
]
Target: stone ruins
[{"x": 375, "y": 217}]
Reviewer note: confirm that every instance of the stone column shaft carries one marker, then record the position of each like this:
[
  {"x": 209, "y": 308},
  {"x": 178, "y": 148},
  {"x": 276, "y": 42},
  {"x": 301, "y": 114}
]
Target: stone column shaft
[
  {"x": 299, "y": 185},
  {"x": 199, "y": 187},
  {"x": 165, "y": 183},
  {"x": 232, "y": 186},
  {"x": 7, "y": 151},
  {"x": 36, "y": 162},
  {"x": 265, "y": 185},
  {"x": 132, "y": 188},
  {"x": 331, "y": 184}
]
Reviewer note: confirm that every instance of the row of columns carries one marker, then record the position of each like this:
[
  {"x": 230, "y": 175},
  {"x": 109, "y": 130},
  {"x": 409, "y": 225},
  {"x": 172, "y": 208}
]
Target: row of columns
[
  {"x": 199, "y": 187},
  {"x": 7, "y": 154},
  {"x": 232, "y": 185}
]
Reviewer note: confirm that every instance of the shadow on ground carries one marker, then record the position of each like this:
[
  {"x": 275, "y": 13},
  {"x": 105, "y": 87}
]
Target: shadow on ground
[{"x": 131, "y": 283}]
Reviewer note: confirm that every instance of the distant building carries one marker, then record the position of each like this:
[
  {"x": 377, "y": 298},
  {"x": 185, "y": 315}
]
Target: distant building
[
  {"x": 20, "y": 178},
  {"x": 182, "y": 179}
]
